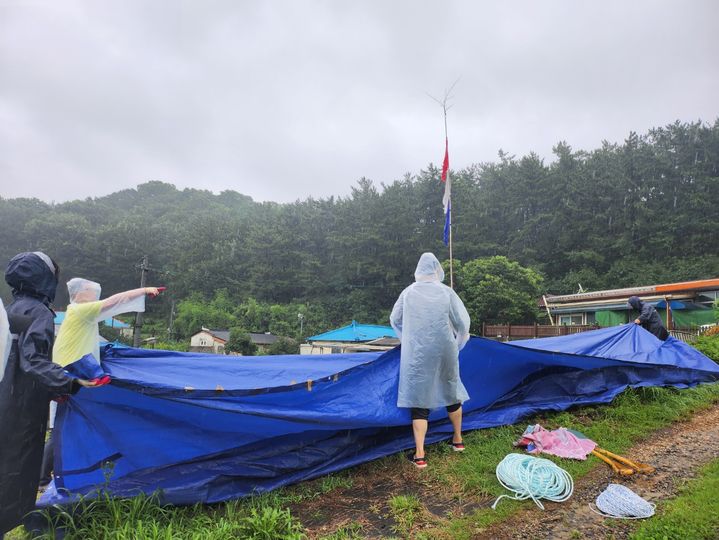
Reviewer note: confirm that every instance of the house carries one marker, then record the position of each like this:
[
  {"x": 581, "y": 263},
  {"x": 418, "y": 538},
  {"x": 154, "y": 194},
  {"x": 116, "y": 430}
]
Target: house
[
  {"x": 214, "y": 341},
  {"x": 690, "y": 304},
  {"x": 262, "y": 341},
  {"x": 209, "y": 341},
  {"x": 354, "y": 337},
  {"x": 125, "y": 329}
]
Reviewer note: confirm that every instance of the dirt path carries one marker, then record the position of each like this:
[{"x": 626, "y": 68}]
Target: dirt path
[{"x": 677, "y": 452}]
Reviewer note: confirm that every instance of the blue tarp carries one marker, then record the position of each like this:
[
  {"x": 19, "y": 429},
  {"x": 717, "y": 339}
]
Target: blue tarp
[{"x": 203, "y": 428}]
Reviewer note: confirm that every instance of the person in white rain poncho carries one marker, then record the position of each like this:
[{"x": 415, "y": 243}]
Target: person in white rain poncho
[
  {"x": 433, "y": 325},
  {"x": 79, "y": 333}
]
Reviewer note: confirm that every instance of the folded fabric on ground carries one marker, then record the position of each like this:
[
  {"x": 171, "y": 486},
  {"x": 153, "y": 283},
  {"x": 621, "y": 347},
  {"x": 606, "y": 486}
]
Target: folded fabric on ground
[
  {"x": 558, "y": 442},
  {"x": 204, "y": 428}
]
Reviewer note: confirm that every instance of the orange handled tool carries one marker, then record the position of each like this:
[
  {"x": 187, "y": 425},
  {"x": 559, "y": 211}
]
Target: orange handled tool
[
  {"x": 636, "y": 465},
  {"x": 616, "y": 467}
]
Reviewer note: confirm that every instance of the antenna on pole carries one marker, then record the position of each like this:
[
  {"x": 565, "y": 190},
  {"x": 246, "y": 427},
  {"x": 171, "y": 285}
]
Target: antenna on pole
[{"x": 447, "y": 200}]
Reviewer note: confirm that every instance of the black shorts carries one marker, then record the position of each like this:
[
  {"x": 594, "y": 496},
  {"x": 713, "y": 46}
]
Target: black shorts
[{"x": 423, "y": 414}]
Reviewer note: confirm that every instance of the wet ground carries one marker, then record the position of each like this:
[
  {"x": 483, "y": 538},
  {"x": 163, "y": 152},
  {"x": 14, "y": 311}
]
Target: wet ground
[{"x": 677, "y": 452}]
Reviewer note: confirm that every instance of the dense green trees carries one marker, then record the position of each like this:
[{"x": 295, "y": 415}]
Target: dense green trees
[
  {"x": 497, "y": 290},
  {"x": 642, "y": 211}
]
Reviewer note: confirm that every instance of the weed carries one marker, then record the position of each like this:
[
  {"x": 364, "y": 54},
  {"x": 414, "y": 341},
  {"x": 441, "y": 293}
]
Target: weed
[{"x": 404, "y": 509}]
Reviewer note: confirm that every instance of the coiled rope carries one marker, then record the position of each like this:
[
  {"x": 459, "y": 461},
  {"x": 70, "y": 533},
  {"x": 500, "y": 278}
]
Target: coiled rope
[
  {"x": 533, "y": 478},
  {"x": 620, "y": 502}
]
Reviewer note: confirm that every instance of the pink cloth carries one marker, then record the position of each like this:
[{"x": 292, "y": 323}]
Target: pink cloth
[{"x": 559, "y": 442}]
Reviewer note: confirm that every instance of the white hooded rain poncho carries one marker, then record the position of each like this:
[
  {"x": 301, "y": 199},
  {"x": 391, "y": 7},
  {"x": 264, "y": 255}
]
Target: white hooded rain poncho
[
  {"x": 79, "y": 333},
  {"x": 433, "y": 326}
]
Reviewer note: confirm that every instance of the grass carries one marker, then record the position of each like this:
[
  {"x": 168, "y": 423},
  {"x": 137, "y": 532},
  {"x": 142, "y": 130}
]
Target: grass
[
  {"x": 405, "y": 510},
  {"x": 466, "y": 477},
  {"x": 351, "y": 531},
  {"x": 693, "y": 514},
  {"x": 632, "y": 416}
]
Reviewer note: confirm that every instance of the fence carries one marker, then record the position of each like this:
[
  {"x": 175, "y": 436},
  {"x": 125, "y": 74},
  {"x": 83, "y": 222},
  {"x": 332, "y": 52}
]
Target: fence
[
  {"x": 508, "y": 332},
  {"x": 685, "y": 335}
]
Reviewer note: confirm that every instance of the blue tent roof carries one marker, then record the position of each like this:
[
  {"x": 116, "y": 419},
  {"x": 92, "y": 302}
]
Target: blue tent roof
[
  {"x": 110, "y": 321},
  {"x": 206, "y": 428},
  {"x": 356, "y": 332}
]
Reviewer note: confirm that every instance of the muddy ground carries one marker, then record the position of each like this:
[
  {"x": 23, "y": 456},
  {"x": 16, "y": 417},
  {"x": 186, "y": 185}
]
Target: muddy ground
[{"x": 677, "y": 452}]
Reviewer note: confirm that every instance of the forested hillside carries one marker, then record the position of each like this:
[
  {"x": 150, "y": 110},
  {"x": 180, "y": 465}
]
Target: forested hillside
[{"x": 640, "y": 212}]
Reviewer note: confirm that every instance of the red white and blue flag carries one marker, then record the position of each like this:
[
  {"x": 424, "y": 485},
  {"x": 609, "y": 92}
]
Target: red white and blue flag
[{"x": 447, "y": 198}]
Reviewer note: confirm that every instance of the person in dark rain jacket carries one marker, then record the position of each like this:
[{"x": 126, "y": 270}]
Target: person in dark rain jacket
[
  {"x": 30, "y": 380},
  {"x": 648, "y": 318}
]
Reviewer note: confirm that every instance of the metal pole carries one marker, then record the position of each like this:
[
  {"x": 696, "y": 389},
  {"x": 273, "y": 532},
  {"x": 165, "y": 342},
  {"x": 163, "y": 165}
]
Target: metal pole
[
  {"x": 451, "y": 262},
  {"x": 144, "y": 266},
  {"x": 443, "y": 104},
  {"x": 549, "y": 313}
]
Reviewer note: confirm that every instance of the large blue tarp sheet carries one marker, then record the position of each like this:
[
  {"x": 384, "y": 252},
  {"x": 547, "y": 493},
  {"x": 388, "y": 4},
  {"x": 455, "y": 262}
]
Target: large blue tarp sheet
[{"x": 204, "y": 428}]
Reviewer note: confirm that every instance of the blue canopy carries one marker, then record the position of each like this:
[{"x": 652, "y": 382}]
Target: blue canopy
[{"x": 205, "y": 428}]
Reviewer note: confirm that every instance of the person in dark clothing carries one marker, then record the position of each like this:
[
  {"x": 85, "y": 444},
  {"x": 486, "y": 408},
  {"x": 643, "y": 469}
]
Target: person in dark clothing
[
  {"x": 648, "y": 318},
  {"x": 29, "y": 382}
]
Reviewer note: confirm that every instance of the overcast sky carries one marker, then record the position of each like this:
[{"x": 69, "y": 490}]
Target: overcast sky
[{"x": 285, "y": 100}]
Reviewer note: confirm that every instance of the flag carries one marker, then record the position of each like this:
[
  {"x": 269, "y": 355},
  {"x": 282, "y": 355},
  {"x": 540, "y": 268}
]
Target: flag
[{"x": 447, "y": 198}]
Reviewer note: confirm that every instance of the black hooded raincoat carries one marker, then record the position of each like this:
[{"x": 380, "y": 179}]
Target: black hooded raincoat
[
  {"x": 30, "y": 381},
  {"x": 649, "y": 318}
]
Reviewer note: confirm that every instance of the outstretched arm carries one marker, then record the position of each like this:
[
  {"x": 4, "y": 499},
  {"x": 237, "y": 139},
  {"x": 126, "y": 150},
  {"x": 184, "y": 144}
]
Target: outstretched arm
[{"x": 125, "y": 302}]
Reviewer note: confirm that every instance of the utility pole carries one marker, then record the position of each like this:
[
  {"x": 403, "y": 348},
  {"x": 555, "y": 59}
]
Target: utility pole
[
  {"x": 144, "y": 267},
  {"x": 301, "y": 317},
  {"x": 171, "y": 329}
]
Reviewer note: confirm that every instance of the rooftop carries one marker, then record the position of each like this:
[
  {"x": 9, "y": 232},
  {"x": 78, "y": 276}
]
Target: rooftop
[{"x": 356, "y": 332}]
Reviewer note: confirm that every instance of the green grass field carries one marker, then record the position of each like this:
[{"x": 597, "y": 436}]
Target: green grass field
[
  {"x": 694, "y": 514},
  {"x": 470, "y": 476}
]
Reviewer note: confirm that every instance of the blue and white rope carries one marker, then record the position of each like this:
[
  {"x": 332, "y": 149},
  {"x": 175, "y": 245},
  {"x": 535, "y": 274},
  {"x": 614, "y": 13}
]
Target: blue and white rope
[
  {"x": 620, "y": 502},
  {"x": 533, "y": 478}
]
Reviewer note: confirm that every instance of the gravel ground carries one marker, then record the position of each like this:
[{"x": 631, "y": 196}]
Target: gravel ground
[{"x": 676, "y": 452}]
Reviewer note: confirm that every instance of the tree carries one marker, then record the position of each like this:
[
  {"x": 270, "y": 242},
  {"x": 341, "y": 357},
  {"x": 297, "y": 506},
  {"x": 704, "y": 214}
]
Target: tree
[
  {"x": 283, "y": 346},
  {"x": 240, "y": 342},
  {"x": 497, "y": 290}
]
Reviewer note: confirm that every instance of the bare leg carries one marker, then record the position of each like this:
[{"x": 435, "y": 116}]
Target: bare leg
[
  {"x": 419, "y": 427},
  {"x": 456, "y": 419}
]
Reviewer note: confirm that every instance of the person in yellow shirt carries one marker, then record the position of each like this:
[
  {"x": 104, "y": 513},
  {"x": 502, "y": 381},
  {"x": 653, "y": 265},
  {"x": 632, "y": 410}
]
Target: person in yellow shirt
[
  {"x": 79, "y": 333},
  {"x": 77, "y": 346}
]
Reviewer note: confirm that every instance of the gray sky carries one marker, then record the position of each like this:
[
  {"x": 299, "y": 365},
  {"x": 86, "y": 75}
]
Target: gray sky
[{"x": 285, "y": 100}]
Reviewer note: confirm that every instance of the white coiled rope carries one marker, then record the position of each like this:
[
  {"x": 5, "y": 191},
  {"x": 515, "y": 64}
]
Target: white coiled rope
[
  {"x": 533, "y": 478},
  {"x": 620, "y": 502}
]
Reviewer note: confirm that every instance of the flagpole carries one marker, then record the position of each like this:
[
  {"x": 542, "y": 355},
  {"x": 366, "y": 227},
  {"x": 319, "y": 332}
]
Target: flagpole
[
  {"x": 447, "y": 178},
  {"x": 451, "y": 262}
]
